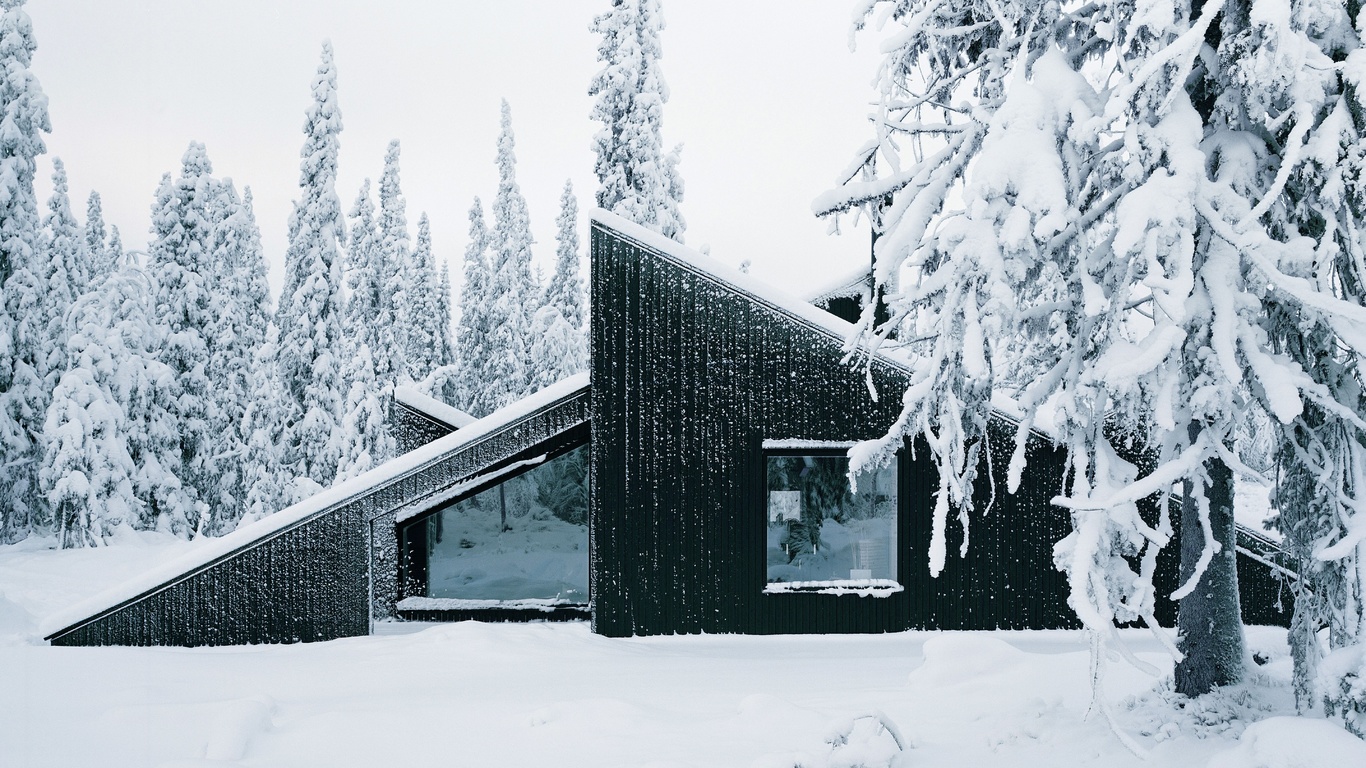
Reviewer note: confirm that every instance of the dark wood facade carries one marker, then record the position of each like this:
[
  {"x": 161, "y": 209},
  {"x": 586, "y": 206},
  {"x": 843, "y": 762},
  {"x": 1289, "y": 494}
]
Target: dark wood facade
[{"x": 690, "y": 376}]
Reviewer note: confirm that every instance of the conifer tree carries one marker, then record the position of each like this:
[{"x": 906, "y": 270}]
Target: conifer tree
[
  {"x": 180, "y": 258},
  {"x": 241, "y": 312},
  {"x": 366, "y": 438},
  {"x": 308, "y": 364},
  {"x": 565, "y": 291},
  {"x": 116, "y": 254},
  {"x": 446, "y": 327},
  {"x": 391, "y": 364},
  {"x": 419, "y": 313},
  {"x": 637, "y": 179},
  {"x": 511, "y": 288},
  {"x": 1105, "y": 241},
  {"x": 472, "y": 330},
  {"x": 364, "y": 274},
  {"x": 99, "y": 258},
  {"x": 23, "y": 112}
]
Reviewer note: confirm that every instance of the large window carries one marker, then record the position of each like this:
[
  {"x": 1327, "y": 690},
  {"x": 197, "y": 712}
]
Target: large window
[
  {"x": 526, "y": 538},
  {"x": 824, "y": 535}
]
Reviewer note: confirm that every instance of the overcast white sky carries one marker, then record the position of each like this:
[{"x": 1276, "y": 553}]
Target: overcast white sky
[{"x": 767, "y": 99}]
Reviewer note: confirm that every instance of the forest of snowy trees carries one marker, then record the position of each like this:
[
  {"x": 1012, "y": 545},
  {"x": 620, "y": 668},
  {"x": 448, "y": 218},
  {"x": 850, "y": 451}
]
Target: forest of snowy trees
[{"x": 165, "y": 390}]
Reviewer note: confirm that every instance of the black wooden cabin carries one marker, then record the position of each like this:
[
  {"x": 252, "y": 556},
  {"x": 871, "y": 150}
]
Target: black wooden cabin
[{"x": 711, "y": 404}]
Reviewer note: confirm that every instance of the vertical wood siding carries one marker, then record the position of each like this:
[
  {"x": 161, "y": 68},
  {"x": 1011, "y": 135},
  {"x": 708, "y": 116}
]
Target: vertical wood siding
[{"x": 690, "y": 376}]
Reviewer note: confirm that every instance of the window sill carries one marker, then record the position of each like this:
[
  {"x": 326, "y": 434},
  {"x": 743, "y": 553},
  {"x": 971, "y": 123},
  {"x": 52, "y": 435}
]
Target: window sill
[{"x": 860, "y": 587}]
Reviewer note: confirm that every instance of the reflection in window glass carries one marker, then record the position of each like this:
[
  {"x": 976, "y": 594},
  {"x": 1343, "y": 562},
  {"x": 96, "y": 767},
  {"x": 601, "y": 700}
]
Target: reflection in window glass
[
  {"x": 526, "y": 538},
  {"x": 819, "y": 531}
]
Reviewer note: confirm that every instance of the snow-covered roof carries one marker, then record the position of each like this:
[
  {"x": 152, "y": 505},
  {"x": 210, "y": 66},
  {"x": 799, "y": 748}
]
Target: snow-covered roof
[
  {"x": 432, "y": 408},
  {"x": 854, "y": 284},
  {"x": 214, "y": 550}
]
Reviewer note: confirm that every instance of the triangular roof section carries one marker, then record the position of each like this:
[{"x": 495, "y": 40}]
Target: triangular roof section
[
  {"x": 423, "y": 472},
  {"x": 853, "y": 285},
  {"x": 432, "y": 409}
]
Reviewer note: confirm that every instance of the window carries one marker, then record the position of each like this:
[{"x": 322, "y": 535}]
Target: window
[
  {"x": 824, "y": 536},
  {"x": 524, "y": 539}
]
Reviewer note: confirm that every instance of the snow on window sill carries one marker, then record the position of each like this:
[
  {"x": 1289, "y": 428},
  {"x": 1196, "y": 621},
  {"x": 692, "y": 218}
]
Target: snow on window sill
[
  {"x": 860, "y": 587},
  {"x": 546, "y": 604}
]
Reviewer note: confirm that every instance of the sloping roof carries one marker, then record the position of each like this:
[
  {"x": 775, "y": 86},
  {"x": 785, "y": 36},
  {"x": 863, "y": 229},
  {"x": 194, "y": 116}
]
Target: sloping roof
[
  {"x": 851, "y": 284},
  {"x": 214, "y": 551},
  {"x": 432, "y": 408}
]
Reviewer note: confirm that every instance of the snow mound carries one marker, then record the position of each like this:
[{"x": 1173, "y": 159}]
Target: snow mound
[
  {"x": 17, "y": 625},
  {"x": 963, "y": 658},
  {"x": 1292, "y": 742},
  {"x": 238, "y": 724}
]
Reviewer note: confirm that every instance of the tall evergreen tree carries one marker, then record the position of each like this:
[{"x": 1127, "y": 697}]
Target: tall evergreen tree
[
  {"x": 180, "y": 257},
  {"x": 512, "y": 289},
  {"x": 565, "y": 291},
  {"x": 23, "y": 112},
  {"x": 419, "y": 313},
  {"x": 307, "y": 361},
  {"x": 391, "y": 363},
  {"x": 114, "y": 447},
  {"x": 637, "y": 179},
  {"x": 96, "y": 254},
  {"x": 472, "y": 330},
  {"x": 241, "y": 313},
  {"x": 446, "y": 326},
  {"x": 364, "y": 274},
  {"x": 1105, "y": 242}
]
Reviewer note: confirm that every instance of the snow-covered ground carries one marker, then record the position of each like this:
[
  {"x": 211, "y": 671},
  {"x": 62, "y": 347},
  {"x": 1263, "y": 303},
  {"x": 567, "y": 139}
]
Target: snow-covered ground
[{"x": 557, "y": 695}]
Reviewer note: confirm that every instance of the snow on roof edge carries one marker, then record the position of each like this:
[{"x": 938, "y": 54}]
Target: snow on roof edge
[
  {"x": 432, "y": 408},
  {"x": 216, "y": 549},
  {"x": 853, "y": 283},
  {"x": 805, "y": 311}
]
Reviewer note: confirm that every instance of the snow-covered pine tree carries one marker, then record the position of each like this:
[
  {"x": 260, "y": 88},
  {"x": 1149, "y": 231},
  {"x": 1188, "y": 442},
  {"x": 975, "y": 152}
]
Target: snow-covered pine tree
[
  {"x": 269, "y": 485},
  {"x": 307, "y": 361},
  {"x": 364, "y": 274},
  {"x": 512, "y": 291},
  {"x": 391, "y": 364},
  {"x": 445, "y": 322},
  {"x": 637, "y": 180},
  {"x": 88, "y": 475},
  {"x": 241, "y": 315},
  {"x": 366, "y": 439},
  {"x": 180, "y": 258},
  {"x": 96, "y": 254},
  {"x": 472, "y": 330},
  {"x": 565, "y": 291},
  {"x": 557, "y": 350},
  {"x": 1285, "y": 67},
  {"x": 116, "y": 254},
  {"x": 66, "y": 275},
  {"x": 1085, "y": 216},
  {"x": 418, "y": 314},
  {"x": 23, "y": 111}
]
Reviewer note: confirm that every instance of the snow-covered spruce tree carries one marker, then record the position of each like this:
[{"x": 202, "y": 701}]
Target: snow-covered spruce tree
[
  {"x": 556, "y": 348},
  {"x": 66, "y": 275},
  {"x": 116, "y": 255},
  {"x": 1297, "y": 76},
  {"x": 307, "y": 361},
  {"x": 445, "y": 322},
  {"x": 1085, "y": 217},
  {"x": 418, "y": 313},
  {"x": 637, "y": 180},
  {"x": 512, "y": 290},
  {"x": 472, "y": 330},
  {"x": 366, "y": 440},
  {"x": 180, "y": 258},
  {"x": 88, "y": 475},
  {"x": 23, "y": 112},
  {"x": 241, "y": 316},
  {"x": 95, "y": 252},
  {"x": 268, "y": 485},
  {"x": 364, "y": 274},
  {"x": 391, "y": 364},
  {"x": 565, "y": 291}
]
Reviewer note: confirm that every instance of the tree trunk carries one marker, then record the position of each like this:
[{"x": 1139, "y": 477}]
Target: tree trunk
[{"x": 1209, "y": 621}]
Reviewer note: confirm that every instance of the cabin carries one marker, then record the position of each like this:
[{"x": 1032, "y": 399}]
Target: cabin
[{"x": 694, "y": 480}]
